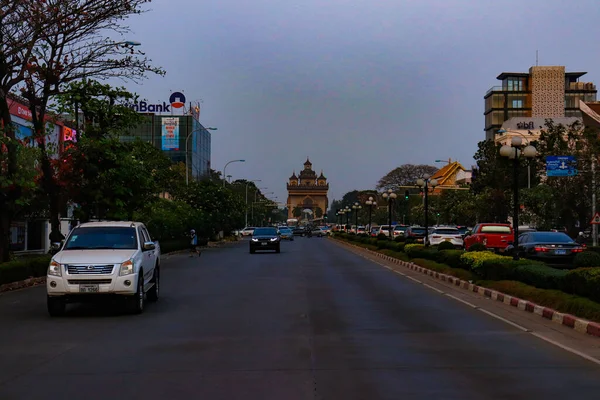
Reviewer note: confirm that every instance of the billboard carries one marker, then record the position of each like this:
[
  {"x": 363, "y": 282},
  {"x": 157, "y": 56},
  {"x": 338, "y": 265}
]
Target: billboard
[
  {"x": 170, "y": 133},
  {"x": 561, "y": 166}
]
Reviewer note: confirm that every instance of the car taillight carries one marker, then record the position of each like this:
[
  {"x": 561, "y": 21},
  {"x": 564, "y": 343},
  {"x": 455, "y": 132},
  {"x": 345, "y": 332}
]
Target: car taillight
[
  {"x": 541, "y": 249},
  {"x": 577, "y": 250},
  {"x": 458, "y": 237},
  {"x": 436, "y": 237}
]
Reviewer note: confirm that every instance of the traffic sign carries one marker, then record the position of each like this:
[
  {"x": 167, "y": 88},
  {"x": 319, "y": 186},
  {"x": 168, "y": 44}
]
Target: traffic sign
[
  {"x": 561, "y": 166},
  {"x": 596, "y": 219}
]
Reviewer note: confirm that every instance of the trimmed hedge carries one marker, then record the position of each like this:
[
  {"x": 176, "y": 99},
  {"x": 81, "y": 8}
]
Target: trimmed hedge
[
  {"x": 445, "y": 246},
  {"x": 583, "y": 282},
  {"x": 444, "y": 269},
  {"x": 560, "y": 301},
  {"x": 587, "y": 259},
  {"x": 541, "y": 276},
  {"x": 21, "y": 269},
  {"x": 451, "y": 258}
]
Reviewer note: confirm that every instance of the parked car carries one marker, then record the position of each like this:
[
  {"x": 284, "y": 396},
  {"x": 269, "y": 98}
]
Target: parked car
[
  {"x": 266, "y": 238},
  {"x": 492, "y": 235},
  {"x": 102, "y": 259},
  {"x": 326, "y": 230},
  {"x": 374, "y": 231},
  {"x": 399, "y": 230},
  {"x": 317, "y": 231},
  {"x": 445, "y": 234},
  {"x": 384, "y": 229},
  {"x": 361, "y": 230},
  {"x": 416, "y": 233},
  {"x": 557, "y": 247}
]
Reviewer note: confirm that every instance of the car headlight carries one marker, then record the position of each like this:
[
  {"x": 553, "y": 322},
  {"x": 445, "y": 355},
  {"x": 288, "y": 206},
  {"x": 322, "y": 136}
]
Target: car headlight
[
  {"x": 254, "y": 240},
  {"x": 54, "y": 269},
  {"x": 126, "y": 268},
  {"x": 273, "y": 239}
]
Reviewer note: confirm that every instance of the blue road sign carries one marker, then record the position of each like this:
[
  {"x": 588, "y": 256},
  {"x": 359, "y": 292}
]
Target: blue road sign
[{"x": 561, "y": 166}]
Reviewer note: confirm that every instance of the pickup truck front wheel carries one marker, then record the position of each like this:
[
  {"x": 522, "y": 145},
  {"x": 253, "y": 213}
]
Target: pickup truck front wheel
[
  {"x": 136, "y": 303},
  {"x": 56, "y": 306}
]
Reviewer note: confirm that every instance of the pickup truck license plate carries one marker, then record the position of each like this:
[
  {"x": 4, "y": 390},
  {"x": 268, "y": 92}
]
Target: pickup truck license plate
[
  {"x": 263, "y": 244},
  {"x": 89, "y": 288},
  {"x": 447, "y": 240},
  {"x": 560, "y": 252}
]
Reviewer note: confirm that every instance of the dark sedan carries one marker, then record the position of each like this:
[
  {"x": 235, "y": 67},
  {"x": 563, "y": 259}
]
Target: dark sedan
[
  {"x": 265, "y": 239},
  {"x": 554, "y": 247},
  {"x": 299, "y": 231}
]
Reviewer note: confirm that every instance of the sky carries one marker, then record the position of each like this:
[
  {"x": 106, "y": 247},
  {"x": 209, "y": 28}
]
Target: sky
[{"x": 361, "y": 87}]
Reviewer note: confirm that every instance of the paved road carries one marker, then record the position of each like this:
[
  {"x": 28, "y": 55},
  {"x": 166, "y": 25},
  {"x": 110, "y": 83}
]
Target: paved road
[{"x": 314, "y": 322}]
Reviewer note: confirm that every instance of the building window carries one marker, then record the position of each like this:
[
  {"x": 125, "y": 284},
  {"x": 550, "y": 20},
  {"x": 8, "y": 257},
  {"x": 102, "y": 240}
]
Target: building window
[{"x": 517, "y": 104}]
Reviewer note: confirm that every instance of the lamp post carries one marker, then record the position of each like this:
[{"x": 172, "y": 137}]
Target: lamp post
[
  {"x": 500, "y": 132},
  {"x": 390, "y": 196},
  {"x": 347, "y": 211},
  {"x": 225, "y": 167},
  {"x": 341, "y": 213},
  {"x": 187, "y": 140},
  {"x": 356, "y": 207},
  {"x": 425, "y": 182},
  {"x": 370, "y": 203},
  {"x": 248, "y": 182},
  {"x": 513, "y": 152}
]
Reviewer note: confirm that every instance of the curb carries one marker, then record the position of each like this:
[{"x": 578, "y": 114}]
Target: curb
[
  {"x": 579, "y": 324},
  {"x": 41, "y": 280}
]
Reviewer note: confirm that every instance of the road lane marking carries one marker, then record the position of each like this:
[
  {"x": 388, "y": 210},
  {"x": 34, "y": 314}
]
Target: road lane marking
[
  {"x": 414, "y": 279},
  {"x": 491, "y": 314},
  {"x": 566, "y": 348},
  {"x": 462, "y": 301},
  {"x": 433, "y": 288}
]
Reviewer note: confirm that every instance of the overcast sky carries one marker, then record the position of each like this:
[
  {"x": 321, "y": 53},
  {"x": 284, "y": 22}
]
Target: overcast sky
[{"x": 359, "y": 86}]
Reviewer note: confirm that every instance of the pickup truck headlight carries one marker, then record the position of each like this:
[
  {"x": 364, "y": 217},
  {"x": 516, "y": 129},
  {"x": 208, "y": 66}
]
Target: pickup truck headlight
[
  {"x": 54, "y": 269},
  {"x": 126, "y": 268}
]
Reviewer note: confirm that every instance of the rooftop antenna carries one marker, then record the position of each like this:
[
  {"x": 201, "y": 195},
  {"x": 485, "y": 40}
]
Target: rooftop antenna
[{"x": 536, "y": 58}]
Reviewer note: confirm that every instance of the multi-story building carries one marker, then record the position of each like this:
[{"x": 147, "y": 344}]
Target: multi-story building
[
  {"x": 528, "y": 98},
  {"x": 177, "y": 136}
]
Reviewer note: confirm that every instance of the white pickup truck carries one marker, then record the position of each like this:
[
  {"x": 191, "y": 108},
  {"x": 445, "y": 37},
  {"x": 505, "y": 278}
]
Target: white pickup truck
[{"x": 100, "y": 259}]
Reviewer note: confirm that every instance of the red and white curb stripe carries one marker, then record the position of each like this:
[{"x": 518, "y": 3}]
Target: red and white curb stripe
[{"x": 571, "y": 321}]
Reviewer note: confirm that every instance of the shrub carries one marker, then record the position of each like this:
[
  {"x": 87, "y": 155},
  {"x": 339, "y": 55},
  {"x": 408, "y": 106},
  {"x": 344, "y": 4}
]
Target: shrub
[
  {"x": 445, "y": 246},
  {"x": 382, "y": 236},
  {"x": 444, "y": 269},
  {"x": 587, "y": 259},
  {"x": 396, "y": 254},
  {"x": 502, "y": 268},
  {"x": 477, "y": 247},
  {"x": 583, "y": 282},
  {"x": 451, "y": 258},
  {"x": 21, "y": 269},
  {"x": 560, "y": 301},
  {"x": 400, "y": 246},
  {"x": 399, "y": 239},
  {"x": 474, "y": 259},
  {"x": 410, "y": 240},
  {"x": 541, "y": 276}
]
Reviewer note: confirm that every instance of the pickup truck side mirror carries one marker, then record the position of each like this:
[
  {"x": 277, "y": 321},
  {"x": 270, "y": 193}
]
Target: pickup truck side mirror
[{"x": 149, "y": 246}]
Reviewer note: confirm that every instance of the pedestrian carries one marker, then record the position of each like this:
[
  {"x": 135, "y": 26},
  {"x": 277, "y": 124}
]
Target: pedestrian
[
  {"x": 580, "y": 238},
  {"x": 194, "y": 244}
]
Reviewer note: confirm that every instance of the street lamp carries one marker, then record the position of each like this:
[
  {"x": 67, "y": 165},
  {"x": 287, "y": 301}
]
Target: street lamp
[
  {"x": 425, "y": 182},
  {"x": 248, "y": 182},
  {"x": 513, "y": 152},
  {"x": 500, "y": 132},
  {"x": 390, "y": 196},
  {"x": 347, "y": 211},
  {"x": 356, "y": 207},
  {"x": 187, "y": 140},
  {"x": 225, "y": 167},
  {"x": 370, "y": 203},
  {"x": 341, "y": 214}
]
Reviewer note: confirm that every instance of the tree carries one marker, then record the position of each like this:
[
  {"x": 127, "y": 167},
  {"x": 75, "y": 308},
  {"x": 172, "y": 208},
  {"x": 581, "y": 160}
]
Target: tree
[
  {"x": 404, "y": 175},
  {"x": 73, "y": 44}
]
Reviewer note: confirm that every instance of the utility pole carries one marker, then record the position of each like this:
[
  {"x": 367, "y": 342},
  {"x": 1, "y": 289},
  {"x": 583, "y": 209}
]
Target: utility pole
[{"x": 594, "y": 226}]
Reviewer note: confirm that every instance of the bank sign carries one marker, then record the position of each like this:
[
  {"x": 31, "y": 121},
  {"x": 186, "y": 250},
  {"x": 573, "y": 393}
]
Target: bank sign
[{"x": 177, "y": 100}]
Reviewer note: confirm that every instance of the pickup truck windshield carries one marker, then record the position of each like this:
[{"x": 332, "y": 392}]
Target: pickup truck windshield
[{"x": 104, "y": 237}]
